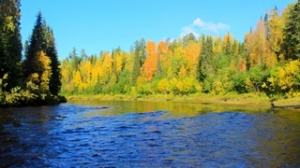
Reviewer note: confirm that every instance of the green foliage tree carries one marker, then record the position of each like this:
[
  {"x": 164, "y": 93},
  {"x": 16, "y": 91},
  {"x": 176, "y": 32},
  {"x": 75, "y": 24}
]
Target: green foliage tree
[
  {"x": 10, "y": 41},
  {"x": 51, "y": 52},
  {"x": 256, "y": 77},
  {"x": 239, "y": 82},
  {"x": 42, "y": 39},
  {"x": 41, "y": 80},
  {"x": 35, "y": 44},
  {"x": 205, "y": 65},
  {"x": 291, "y": 44},
  {"x": 75, "y": 59},
  {"x": 189, "y": 37},
  {"x": 139, "y": 58}
]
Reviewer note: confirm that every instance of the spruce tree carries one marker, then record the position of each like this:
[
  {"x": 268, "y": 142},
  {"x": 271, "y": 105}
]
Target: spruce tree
[
  {"x": 42, "y": 39},
  {"x": 51, "y": 52},
  {"x": 34, "y": 46},
  {"x": 139, "y": 58},
  {"x": 205, "y": 65},
  {"x": 291, "y": 44},
  {"x": 136, "y": 67},
  {"x": 10, "y": 40}
]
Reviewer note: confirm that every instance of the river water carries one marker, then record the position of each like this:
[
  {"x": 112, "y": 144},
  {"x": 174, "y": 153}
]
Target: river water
[{"x": 148, "y": 134}]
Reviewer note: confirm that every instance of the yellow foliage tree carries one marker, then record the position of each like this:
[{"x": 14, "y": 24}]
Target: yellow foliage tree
[
  {"x": 217, "y": 48},
  {"x": 285, "y": 79},
  {"x": 119, "y": 63},
  {"x": 163, "y": 86},
  {"x": 186, "y": 86},
  {"x": 77, "y": 79},
  {"x": 192, "y": 52},
  {"x": 276, "y": 24},
  {"x": 44, "y": 71},
  {"x": 96, "y": 73},
  {"x": 87, "y": 68},
  {"x": 106, "y": 67},
  {"x": 173, "y": 85},
  {"x": 259, "y": 48},
  {"x": 258, "y": 52},
  {"x": 182, "y": 72},
  {"x": 289, "y": 75}
]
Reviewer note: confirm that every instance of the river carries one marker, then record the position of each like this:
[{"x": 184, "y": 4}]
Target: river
[{"x": 148, "y": 134}]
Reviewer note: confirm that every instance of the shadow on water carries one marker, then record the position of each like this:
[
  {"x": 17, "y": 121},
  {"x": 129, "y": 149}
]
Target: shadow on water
[{"x": 148, "y": 134}]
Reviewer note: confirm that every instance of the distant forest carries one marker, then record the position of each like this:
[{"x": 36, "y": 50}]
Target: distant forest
[{"x": 267, "y": 61}]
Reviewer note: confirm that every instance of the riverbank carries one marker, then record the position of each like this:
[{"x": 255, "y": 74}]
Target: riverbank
[{"x": 257, "y": 100}]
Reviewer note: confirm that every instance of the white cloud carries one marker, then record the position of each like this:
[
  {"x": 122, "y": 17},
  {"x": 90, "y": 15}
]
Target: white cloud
[
  {"x": 199, "y": 22},
  {"x": 199, "y": 26},
  {"x": 216, "y": 28},
  {"x": 187, "y": 30}
]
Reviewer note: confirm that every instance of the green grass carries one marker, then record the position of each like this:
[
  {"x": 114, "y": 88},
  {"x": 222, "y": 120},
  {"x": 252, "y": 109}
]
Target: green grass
[
  {"x": 229, "y": 99},
  {"x": 251, "y": 99}
]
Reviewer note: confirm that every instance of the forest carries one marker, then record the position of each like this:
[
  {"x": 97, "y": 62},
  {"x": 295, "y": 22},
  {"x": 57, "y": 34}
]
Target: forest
[
  {"x": 35, "y": 79},
  {"x": 266, "y": 62}
]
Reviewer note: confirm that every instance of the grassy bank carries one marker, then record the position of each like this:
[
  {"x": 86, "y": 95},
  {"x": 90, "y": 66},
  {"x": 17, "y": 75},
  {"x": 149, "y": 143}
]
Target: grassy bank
[{"x": 258, "y": 100}]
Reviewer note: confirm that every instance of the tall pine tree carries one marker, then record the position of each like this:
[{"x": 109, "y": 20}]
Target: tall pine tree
[
  {"x": 35, "y": 45},
  {"x": 51, "y": 52},
  {"x": 205, "y": 65},
  {"x": 291, "y": 44},
  {"x": 139, "y": 58},
  {"x": 10, "y": 40},
  {"x": 42, "y": 39}
]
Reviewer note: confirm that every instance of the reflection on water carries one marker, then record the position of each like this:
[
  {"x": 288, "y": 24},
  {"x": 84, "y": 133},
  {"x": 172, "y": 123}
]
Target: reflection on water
[{"x": 148, "y": 134}]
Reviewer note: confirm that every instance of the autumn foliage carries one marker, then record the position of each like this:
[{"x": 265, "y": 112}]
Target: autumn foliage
[
  {"x": 35, "y": 80},
  {"x": 189, "y": 65}
]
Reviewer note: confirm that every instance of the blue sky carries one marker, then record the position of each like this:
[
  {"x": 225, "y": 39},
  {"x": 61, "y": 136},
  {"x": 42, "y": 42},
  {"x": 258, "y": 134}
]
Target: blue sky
[{"x": 96, "y": 25}]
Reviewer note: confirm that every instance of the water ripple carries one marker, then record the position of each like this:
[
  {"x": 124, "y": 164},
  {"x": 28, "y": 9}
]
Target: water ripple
[{"x": 79, "y": 136}]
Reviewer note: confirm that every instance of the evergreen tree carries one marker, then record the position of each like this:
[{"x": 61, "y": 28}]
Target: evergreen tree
[
  {"x": 51, "y": 52},
  {"x": 75, "y": 59},
  {"x": 227, "y": 46},
  {"x": 267, "y": 25},
  {"x": 136, "y": 67},
  {"x": 10, "y": 40},
  {"x": 205, "y": 66},
  {"x": 291, "y": 44},
  {"x": 42, "y": 40},
  {"x": 187, "y": 38},
  {"x": 139, "y": 58},
  {"x": 34, "y": 46}
]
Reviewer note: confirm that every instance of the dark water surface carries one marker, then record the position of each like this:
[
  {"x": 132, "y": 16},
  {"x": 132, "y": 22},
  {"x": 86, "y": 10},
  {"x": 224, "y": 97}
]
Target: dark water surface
[{"x": 148, "y": 134}]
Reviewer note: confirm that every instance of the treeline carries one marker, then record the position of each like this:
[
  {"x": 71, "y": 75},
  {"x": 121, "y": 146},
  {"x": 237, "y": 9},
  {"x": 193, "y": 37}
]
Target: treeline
[
  {"x": 267, "y": 61},
  {"x": 36, "y": 79}
]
